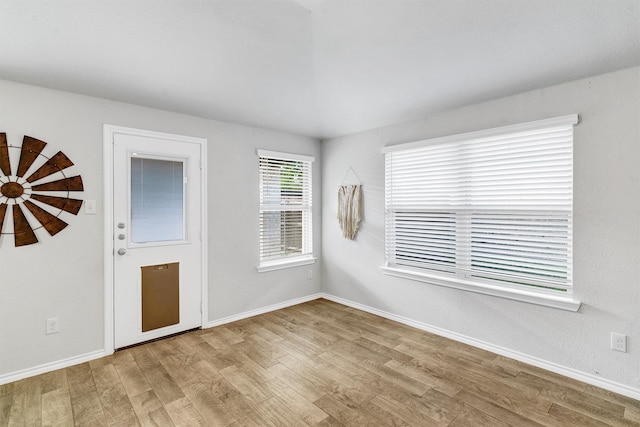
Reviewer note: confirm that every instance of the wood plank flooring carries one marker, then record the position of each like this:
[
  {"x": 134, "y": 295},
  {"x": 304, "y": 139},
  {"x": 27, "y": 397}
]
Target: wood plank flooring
[{"x": 314, "y": 364}]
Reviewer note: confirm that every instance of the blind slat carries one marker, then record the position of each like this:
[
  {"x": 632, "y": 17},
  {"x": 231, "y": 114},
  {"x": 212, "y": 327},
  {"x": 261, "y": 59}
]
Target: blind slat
[
  {"x": 285, "y": 206},
  {"x": 496, "y": 206}
]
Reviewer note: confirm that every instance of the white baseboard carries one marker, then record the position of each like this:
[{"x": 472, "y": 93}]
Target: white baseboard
[
  {"x": 613, "y": 386},
  {"x": 51, "y": 366},
  {"x": 262, "y": 310},
  {"x": 75, "y": 360}
]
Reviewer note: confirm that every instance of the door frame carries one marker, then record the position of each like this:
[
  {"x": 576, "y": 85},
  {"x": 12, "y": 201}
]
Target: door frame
[{"x": 109, "y": 132}]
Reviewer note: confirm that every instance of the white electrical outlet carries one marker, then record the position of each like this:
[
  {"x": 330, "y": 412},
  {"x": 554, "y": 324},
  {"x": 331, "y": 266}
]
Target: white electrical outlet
[
  {"x": 618, "y": 342},
  {"x": 53, "y": 325},
  {"x": 90, "y": 207},
  {"x": 309, "y": 274}
]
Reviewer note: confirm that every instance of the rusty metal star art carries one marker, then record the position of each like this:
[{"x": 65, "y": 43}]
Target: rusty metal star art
[{"x": 44, "y": 193}]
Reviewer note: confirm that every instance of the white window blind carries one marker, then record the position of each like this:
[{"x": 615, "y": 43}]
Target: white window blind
[
  {"x": 490, "y": 207},
  {"x": 285, "y": 206}
]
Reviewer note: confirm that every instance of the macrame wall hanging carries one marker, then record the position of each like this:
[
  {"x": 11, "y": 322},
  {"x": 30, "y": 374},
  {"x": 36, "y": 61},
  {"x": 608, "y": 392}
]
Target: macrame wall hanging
[
  {"x": 349, "y": 207},
  {"x": 44, "y": 192}
]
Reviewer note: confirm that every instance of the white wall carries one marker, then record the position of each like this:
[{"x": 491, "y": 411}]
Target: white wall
[
  {"x": 62, "y": 276},
  {"x": 606, "y": 227}
]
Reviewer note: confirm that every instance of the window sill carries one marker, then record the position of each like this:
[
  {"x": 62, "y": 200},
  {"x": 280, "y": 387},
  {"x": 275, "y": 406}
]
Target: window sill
[
  {"x": 555, "y": 301},
  {"x": 282, "y": 264}
]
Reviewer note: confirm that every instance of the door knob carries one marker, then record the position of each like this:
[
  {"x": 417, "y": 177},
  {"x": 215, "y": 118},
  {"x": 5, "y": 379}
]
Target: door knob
[{"x": 122, "y": 251}]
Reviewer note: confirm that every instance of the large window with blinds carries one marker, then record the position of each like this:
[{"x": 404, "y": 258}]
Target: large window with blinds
[
  {"x": 286, "y": 234},
  {"x": 488, "y": 211}
]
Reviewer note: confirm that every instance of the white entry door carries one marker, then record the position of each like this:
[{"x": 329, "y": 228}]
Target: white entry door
[{"x": 157, "y": 236}]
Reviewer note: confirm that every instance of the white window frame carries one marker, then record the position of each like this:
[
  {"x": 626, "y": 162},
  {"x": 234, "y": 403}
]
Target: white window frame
[
  {"x": 306, "y": 207},
  {"x": 458, "y": 211}
]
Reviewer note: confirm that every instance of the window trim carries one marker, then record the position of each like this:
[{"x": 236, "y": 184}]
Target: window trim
[
  {"x": 292, "y": 261},
  {"x": 286, "y": 263},
  {"x": 556, "y": 299},
  {"x": 563, "y": 302},
  {"x": 522, "y": 127}
]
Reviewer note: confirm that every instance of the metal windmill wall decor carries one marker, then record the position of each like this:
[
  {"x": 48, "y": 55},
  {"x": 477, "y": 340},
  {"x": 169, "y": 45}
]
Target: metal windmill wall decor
[{"x": 44, "y": 192}]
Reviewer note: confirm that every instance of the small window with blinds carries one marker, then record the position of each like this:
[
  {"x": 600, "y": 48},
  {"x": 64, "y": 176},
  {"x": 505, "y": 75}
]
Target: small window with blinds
[
  {"x": 489, "y": 211},
  {"x": 286, "y": 237}
]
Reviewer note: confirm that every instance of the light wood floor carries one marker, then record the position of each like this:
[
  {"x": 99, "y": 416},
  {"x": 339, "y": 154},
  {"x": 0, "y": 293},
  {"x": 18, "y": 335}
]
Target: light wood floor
[{"x": 317, "y": 364}]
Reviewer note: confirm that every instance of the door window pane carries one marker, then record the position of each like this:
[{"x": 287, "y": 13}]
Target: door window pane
[{"x": 157, "y": 200}]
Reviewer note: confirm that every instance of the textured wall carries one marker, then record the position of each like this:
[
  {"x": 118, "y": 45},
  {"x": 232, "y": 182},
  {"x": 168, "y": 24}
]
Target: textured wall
[
  {"x": 606, "y": 227},
  {"x": 63, "y": 275}
]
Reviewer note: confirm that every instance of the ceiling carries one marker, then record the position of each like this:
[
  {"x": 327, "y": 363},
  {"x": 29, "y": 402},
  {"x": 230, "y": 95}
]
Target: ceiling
[{"x": 321, "y": 68}]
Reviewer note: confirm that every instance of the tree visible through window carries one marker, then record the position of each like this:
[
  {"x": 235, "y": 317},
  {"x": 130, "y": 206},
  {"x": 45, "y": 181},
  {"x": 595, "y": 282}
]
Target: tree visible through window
[{"x": 285, "y": 207}]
